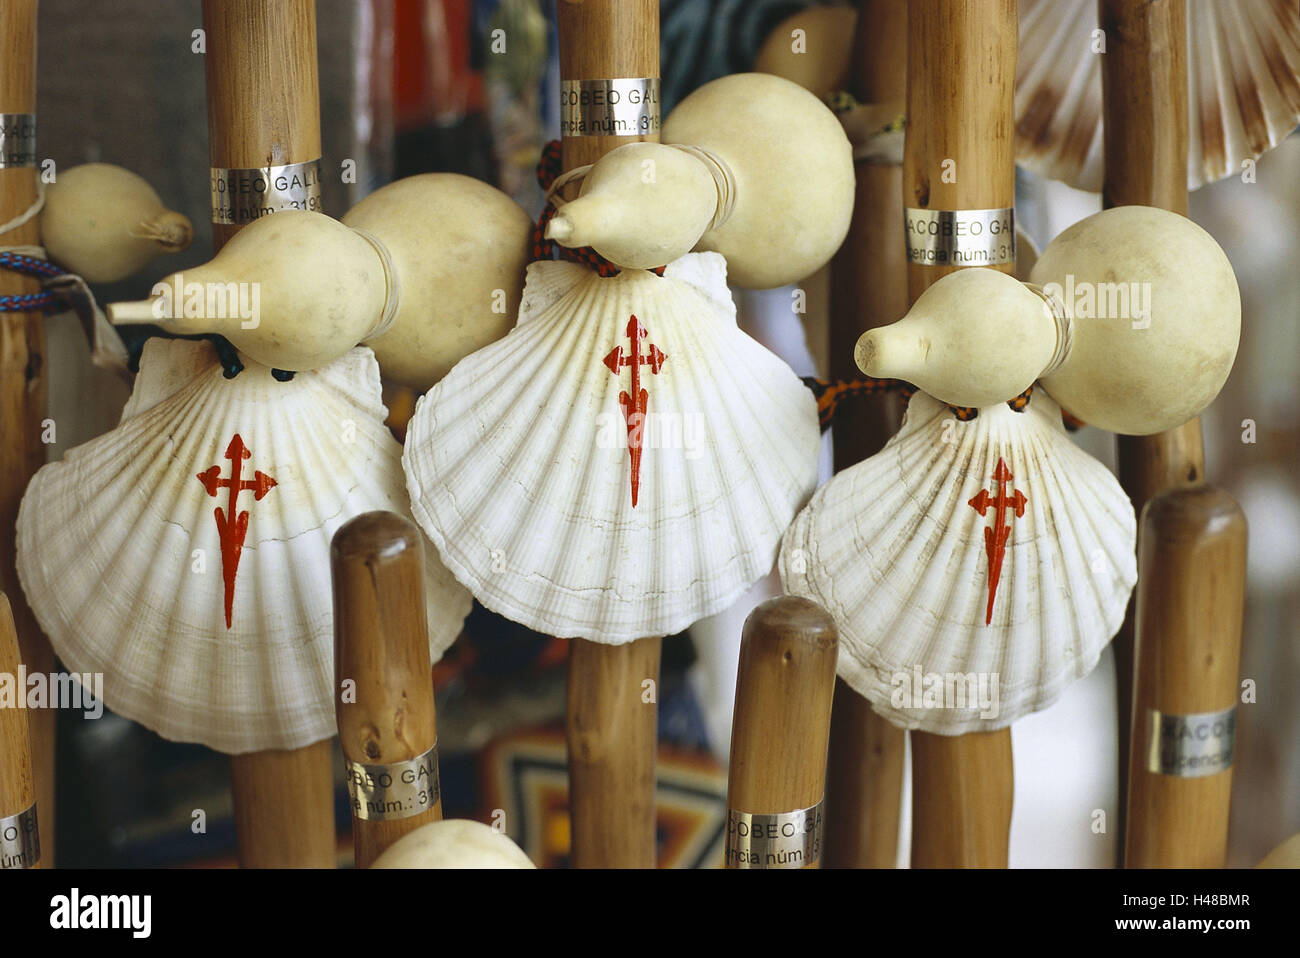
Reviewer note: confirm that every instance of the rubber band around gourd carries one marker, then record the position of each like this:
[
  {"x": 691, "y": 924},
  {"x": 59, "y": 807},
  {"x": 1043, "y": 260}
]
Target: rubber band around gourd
[
  {"x": 1064, "y": 328},
  {"x": 392, "y": 285}
]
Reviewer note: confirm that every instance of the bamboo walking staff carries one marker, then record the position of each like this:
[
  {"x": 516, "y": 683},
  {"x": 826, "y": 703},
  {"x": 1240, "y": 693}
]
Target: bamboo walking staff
[
  {"x": 611, "y": 713},
  {"x": 1190, "y": 595},
  {"x": 779, "y": 736},
  {"x": 264, "y": 113},
  {"x": 22, "y": 370},
  {"x": 864, "y": 774},
  {"x": 959, "y": 155},
  {"x": 1144, "y": 104},
  {"x": 388, "y": 726},
  {"x": 20, "y": 839}
]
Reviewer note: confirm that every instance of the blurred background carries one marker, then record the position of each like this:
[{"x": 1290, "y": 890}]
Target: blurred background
[{"x": 409, "y": 86}]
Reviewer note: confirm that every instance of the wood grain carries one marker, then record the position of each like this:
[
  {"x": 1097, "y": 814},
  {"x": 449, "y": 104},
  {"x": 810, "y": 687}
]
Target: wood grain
[
  {"x": 962, "y": 790},
  {"x": 605, "y": 39},
  {"x": 781, "y": 725},
  {"x": 263, "y": 108},
  {"x": 610, "y": 730},
  {"x": 23, "y": 390},
  {"x": 960, "y": 85},
  {"x": 263, "y": 91},
  {"x": 611, "y": 733},
  {"x": 17, "y": 786},
  {"x": 864, "y": 775},
  {"x": 1190, "y": 599},
  {"x": 1144, "y": 111},
  {"x": 381, "y": 643},
  {"x": 284, "y": 807}
]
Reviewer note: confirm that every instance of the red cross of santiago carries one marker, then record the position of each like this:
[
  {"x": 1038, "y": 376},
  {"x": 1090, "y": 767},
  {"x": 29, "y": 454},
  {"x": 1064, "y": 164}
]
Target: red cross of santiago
[
  {"x": 232, "y": 526},
  {"x": 996, "y": 536},
  {"x": 634, "y": 403}
]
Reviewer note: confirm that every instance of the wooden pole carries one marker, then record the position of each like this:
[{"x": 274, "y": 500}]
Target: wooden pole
[
  {"x": 611, "y": 711},
  {"x": 864, "y": 774},
  {"x": 22, "y": 372},
  {"x": 779, "y": 735},
  {"x": 20, "y": 845},
  {"x": 263, "y": 109},
  {"x": 1144, "y": 111},
  {"x": 264, "y": 114},
  {"x": 388, "y": 727},
  {"x": 959, "y": 156},
  {"x": 1191, "y": 586}
]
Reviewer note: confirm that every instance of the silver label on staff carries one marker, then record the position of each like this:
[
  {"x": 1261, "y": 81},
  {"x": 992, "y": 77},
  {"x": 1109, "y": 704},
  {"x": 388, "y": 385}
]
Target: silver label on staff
[
  {"x": 960, "y": 237},
  {"x": 241, "y": 196},
  {"x": 785, "y": 840},
  {"x": 622, "y": 107},
  {"x": 17, "y": 140},
  {"x": 400, "y": 790},
  {"x": 20, "y": 840},
  {"x": 1193, "y": 745}
]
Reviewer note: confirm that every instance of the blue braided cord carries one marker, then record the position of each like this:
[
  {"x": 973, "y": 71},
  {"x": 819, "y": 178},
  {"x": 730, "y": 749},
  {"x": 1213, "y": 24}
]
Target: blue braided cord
[
  {"x": 29, "y": 265},
  {"x": 28, "y": 302}
]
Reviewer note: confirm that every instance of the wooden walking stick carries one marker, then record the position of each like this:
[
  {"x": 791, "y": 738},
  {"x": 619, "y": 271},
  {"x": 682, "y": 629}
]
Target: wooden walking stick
[
  {"x": 959, "y": 170},
  {"x": 387, "y": 725},
  {"x": 779, "y": 736},
  {"x": 264, "y": 145},
  {"x": 611, "y": 712},
  {"x": 1144, "y": 103},
  {"x": 20, "y": 839},
  {"x": 1190, "y": 593},
  {"x": 864, "y": 774},
  {"x": 22, "y": 367}
]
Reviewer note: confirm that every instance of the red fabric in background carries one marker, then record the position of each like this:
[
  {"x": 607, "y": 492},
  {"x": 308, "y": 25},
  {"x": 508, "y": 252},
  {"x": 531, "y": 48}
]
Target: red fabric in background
[{"x": 432, "y": 78}]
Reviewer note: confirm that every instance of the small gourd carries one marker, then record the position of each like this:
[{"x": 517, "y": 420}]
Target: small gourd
[
  {"x": 313, "y": 287},
  {"x": 642, "y": 205},
  {"x": 105, "y": 223},
  {"x": 453, "y": 843}
]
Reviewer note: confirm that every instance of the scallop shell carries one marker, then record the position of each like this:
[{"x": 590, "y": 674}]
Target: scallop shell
[
  {"x": 1243, "y": 87},
  {"x": 897, "y": 549},
  {"x": 122, "y": 561},
  {"x": 520, "y": 471}
]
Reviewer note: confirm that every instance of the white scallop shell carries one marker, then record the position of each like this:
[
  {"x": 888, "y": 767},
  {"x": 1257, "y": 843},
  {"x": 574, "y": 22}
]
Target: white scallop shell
[
  {"x": 1243, "y": 87},
  {"x": 896, "y": 551},
  {"x": 120, "y": 557},
  {"x": 520, "y": 473}
]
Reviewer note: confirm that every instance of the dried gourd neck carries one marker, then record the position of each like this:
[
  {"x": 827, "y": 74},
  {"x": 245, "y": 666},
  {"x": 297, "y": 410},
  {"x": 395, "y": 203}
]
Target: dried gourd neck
[
  {"x": 724, "y": 182},
  {"x": 169, "y": 229},
  {"x": 1064, "y": 323},
  {"x": 392, "y": 285}
]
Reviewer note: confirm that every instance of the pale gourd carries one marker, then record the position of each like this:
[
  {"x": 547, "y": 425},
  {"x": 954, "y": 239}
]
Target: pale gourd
[
  {"x": 105, "y": 223},
  {"x": 793, "y": 175},
  {"x": 641, "y": 205},
  {"x": 974, "y": 338},
  {"x": 453, "y": 843},
  {"x": 315, "y": 289},
  {"x": 460, "y": 247},
  {"x": 1131, "y": 323},
  {"x": 1155, "y": 315}
]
